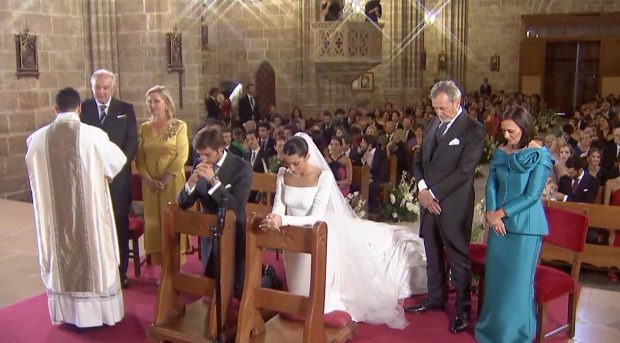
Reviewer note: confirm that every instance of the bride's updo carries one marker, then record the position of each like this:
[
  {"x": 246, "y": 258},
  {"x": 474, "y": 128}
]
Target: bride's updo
[{"x": 295, "y": 146}]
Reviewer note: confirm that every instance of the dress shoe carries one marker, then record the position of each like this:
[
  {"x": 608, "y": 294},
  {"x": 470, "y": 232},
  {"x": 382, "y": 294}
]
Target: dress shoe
[
  {"x": 423, "y": 307},
  {"x": 270, "y": 273},
  {"x": 460, "y": 323}
]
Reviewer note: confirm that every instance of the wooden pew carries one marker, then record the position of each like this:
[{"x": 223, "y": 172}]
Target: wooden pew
[
  {"x": 266, "y": 183},
  {"x": 600, "y": 216},
  {"x": 251, "y": 326},
  {"x": 195, "y": 322},
  {"x": 361, "y": 178}
]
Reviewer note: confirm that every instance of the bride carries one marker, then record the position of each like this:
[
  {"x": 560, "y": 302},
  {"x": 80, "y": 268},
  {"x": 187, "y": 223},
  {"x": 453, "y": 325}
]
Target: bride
[{"x": 370, "y": 265}]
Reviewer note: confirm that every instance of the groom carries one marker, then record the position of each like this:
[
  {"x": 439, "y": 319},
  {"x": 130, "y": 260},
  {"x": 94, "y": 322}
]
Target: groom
[{"x": 444, "y": 167}]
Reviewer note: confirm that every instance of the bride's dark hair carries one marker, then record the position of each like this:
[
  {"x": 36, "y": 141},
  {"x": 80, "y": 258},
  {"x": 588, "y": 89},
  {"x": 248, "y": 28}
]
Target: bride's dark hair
[{"x": 295, "y": 146}]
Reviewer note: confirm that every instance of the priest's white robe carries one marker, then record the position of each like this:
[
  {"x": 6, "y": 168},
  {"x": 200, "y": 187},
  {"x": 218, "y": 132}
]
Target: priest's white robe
[{"x": 69, "y": 166}]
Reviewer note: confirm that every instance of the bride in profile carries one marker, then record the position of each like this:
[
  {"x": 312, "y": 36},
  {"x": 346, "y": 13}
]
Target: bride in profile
[{"x": 370, "y": 265}]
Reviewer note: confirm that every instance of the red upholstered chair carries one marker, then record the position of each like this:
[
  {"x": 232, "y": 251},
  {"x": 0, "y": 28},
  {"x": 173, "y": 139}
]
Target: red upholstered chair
[
  {"x": 136, "y": 225},
  {"x": 567, "y": 230},
  {"x": 477, "y": 257}
]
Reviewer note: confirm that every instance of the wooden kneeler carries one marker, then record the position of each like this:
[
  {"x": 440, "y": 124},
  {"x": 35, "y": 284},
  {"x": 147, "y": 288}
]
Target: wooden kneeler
[
  {"x": 195, "y": 322},
  {"x": 251, "y": 327}
]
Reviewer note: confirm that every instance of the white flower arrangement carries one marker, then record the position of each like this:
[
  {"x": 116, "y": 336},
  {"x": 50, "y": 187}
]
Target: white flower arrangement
[
  {"x": 477, "y": 227},
  {"x": 402, "y": 205},
  {"x": 357, "y": 203}
]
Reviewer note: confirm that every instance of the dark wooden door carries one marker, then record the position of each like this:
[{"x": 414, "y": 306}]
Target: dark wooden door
[
  {"x": 559, "y": 80},
  {"x": 265, "y": 88}
]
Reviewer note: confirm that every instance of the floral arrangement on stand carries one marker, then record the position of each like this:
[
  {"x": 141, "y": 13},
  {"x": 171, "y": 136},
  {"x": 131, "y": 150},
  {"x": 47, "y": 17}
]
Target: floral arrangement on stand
[
  {"x": 477, "y": 227},
  {"x": 478, "y": 172},
  {"x": 357, "y": 203},
  {"x": 401, "y": 204},
  {"x": 545, "y": 119},
  {"x": 489, "y": 149}
]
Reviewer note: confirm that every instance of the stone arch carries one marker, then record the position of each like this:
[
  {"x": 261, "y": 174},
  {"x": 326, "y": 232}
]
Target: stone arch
[{"x": 265, "y": 80}]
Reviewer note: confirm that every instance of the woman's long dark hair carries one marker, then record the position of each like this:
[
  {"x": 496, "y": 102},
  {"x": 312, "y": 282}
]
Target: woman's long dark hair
[{"x": 524, "y": 121}]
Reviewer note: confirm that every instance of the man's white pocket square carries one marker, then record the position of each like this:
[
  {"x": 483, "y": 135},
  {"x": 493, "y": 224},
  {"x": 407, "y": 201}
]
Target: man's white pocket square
[
  {"x": 585, "y": 190},
  {"x": 121, "y": 116},
  {"x": 454, "y": 142}
]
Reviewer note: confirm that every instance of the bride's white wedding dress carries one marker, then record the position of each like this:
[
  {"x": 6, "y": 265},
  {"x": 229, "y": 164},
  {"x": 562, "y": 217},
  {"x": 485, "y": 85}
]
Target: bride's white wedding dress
[{"x": 370, "y": 265}]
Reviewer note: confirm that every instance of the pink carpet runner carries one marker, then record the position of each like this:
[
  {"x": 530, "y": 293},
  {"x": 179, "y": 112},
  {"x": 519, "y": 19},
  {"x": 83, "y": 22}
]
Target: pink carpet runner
[{"x": 28, "y": 321}]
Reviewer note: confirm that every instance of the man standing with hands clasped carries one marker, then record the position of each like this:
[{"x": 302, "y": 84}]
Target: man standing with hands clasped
[
  {"x": 118, "y": 120},
  {"x": 444, "y": 169}
]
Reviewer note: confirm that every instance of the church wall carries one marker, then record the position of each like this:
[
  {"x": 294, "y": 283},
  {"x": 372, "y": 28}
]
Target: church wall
[
  {"x": 244, "y": 34},
  {"x": 75, "y": 37},
  {"x": 494, "y": 27},
  {"x": 26, "y": 104}
]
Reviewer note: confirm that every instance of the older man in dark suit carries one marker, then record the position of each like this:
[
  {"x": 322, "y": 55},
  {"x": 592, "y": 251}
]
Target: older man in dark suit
[
  {"x": 118, "y": 120},
  {"x": 213, "y": 108},
  {"x": 376, "y": 159},
  {"x": 219, "y": 175},
  {"x": 444, "y": 168}
]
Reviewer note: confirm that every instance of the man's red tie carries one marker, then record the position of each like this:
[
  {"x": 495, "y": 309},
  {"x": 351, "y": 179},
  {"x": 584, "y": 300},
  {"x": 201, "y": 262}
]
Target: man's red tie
[{"x": 574, "y": 186}]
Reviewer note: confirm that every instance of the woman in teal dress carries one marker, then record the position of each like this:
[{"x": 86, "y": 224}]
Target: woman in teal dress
[{"x": 517, "y": 176}]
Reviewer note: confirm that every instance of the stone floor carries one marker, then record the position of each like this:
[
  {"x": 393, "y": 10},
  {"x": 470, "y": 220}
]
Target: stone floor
[{"x": 598, "y": 314}]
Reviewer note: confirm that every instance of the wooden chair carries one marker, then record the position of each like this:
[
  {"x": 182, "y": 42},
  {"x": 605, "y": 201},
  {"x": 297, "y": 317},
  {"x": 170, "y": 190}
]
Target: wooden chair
[
  {"x": 136, "y": 225},
  {"x": 567, "y": 230},
  {"x": 195, "y": 322},
  {"x": 266, "y": 183},
  {"x": 251, "y": 326},
  {"x": 601, "y": 217},
  {"x": 392, "y": 170},
  {"x": 361, "y": 178}
]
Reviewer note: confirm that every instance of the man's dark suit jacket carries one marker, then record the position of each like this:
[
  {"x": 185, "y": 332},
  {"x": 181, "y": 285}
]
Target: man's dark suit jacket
[
  {"x": 236, "y": 173},
  {"x": 379, "y": 167},
  {"x": 120, "y": 125},
  {"x": 609, "y": 155},
  {"x": 269, "y": 147},
  {"x": 586, "y": 190},
  {"x": 448, "y": 170},
  {"x": 259, "y": 162},
  {"x": 213, "y": 109},
  {"x": 245, "y": 110}
]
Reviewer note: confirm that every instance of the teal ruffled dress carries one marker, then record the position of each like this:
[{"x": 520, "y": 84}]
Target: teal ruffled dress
[{"x": 515, "y": 183}]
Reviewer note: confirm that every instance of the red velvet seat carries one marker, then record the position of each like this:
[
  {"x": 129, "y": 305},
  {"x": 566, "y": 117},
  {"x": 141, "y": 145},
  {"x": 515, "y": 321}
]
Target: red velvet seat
[
  {"x": 551, "y": 283},
  {"x": 567, "y": 230}
]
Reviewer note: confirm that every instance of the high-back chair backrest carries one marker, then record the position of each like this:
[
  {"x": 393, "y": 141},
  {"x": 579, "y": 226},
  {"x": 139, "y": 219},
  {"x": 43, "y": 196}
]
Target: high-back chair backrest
[
  {"x": 361, "y": 178},
  {"x": 266, "y": 183},
  {"x": 392, "y": 172},
  {"x": 312, "y": 241},
  {"x": 567, "y": 229},
  {"x": 136, "y": 187},
  {"x": 614, "y": 200},
  {"x": 173, "y": 281}
]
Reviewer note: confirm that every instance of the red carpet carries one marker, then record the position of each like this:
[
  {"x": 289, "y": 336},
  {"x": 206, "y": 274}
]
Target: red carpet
[{"x": 28, "y": 321}]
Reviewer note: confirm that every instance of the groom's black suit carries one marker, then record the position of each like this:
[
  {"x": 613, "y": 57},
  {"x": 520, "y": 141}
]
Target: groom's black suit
[
  {"x": 238, "y": 174},
  {"x": 447, "y": 166},
  {"x": 120, "y": 125}
]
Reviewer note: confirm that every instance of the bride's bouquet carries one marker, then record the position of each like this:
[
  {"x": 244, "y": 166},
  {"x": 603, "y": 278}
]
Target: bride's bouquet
[
  {"x": 401, "y": 204},
  {"x": 357, "y": 203}
]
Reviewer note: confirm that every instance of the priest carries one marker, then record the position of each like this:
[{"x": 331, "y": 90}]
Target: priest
[{"x": 70, "y": 165}]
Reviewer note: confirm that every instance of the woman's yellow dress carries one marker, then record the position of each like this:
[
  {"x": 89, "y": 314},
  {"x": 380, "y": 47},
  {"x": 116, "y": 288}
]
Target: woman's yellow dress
[{"x": 158, "y": 154}]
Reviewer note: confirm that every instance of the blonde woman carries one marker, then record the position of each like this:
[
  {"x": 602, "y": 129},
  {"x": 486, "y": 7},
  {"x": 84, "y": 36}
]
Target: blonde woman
[{"x": 162, "y": 152}]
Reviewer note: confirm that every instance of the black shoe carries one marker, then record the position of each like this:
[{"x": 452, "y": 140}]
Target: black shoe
[
  {"x": 270, "y": 273},
  {"x": 124, "y": 281},
  {"x": 423, "y": 307},
  {"x": 460, "y": 323}
]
